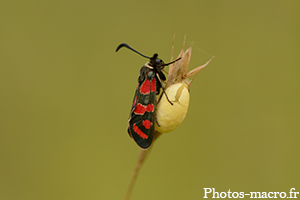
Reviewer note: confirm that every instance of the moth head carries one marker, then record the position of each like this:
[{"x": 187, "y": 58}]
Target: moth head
[{"x": 157, "y": 62}]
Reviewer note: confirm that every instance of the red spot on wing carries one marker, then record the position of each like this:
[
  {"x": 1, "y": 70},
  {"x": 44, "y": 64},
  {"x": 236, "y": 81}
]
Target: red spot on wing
[
  {"x": 153, "y": 85},
  {"x": 134, "y": 102},
  {"x": 145, "y": 87},
  {"x": 139, "y": 109},
  {"x": 150, "y": 108},
  {"x": 147, "y": 124},
  {"x": 139, "y": 132}
]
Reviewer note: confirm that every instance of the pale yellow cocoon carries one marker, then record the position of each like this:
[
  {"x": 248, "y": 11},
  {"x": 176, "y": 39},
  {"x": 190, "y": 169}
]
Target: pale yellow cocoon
[{"x": 168, "y": 116}]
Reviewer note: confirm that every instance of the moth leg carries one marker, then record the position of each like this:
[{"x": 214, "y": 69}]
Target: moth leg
[
  {"x": 166, "y": 96},
  {"x": 163, "y": 89}
]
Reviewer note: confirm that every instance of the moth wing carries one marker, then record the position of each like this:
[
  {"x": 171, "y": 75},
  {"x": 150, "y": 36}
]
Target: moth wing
[{"x": 142, "y": 115}]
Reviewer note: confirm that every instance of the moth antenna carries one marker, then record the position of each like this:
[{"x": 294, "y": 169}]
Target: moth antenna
[
  {"x": 171, "y": 62},
  {"x": 132, "y": 49}
]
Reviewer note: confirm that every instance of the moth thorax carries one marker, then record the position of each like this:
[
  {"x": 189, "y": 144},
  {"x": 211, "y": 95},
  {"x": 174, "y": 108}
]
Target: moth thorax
[
  {"x": 150, "y": 74},
  {"x": 148, "y": 65}
]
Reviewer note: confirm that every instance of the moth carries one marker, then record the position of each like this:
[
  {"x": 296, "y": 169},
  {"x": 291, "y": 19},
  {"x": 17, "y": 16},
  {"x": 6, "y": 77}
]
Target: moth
[{"x": 141, "y": 121}]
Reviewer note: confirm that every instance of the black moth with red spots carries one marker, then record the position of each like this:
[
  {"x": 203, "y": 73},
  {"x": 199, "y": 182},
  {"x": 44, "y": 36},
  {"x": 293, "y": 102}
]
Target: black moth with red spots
[{"x": 142, "y": 114}]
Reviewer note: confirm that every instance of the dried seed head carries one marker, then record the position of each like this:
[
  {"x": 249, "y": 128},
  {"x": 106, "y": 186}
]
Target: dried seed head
[{"x": 169, "y": 117}]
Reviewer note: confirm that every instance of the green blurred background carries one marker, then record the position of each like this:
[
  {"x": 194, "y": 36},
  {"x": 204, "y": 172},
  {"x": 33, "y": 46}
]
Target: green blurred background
[{"x": 66, "y": 95}]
